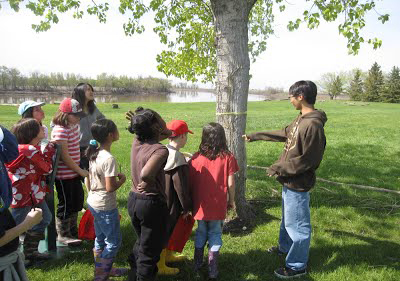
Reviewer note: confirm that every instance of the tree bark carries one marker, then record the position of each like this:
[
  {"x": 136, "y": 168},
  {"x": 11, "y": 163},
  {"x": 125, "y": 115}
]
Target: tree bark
[{"x": 232, "y": 85}]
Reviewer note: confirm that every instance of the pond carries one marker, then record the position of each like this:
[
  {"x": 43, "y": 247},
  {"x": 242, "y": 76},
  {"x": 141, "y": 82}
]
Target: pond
[{"x": 179, "y": 96}]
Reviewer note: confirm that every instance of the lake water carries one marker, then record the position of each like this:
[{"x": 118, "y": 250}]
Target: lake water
[{"x": 179, "y": 96}]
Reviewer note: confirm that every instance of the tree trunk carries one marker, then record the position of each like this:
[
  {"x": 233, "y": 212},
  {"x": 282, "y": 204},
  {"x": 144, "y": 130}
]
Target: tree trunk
[{"x": 232, "y": 85}]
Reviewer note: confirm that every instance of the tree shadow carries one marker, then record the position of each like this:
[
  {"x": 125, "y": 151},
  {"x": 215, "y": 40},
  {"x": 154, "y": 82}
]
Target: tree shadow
[
  {"x": 236, "y": 266},
  {"x": 364, "y": 250}
]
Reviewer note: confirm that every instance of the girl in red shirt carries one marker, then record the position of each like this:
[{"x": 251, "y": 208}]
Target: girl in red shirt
[
  {"x": 211, "y": 175},
  {"x": 27, "y": 174}
]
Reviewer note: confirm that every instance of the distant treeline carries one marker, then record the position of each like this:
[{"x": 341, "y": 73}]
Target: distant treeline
[
  {"x": 11, "y": 79},
  {"x": 374, "y": 85}
]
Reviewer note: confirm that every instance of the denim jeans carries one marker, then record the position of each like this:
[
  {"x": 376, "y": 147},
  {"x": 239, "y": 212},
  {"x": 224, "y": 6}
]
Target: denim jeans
[
  {"x": 295, "y": 229},
  {"x": 210, "y": 231},
  {"x": 108, "y": 232},
  {"x": 20, "y": 214}
]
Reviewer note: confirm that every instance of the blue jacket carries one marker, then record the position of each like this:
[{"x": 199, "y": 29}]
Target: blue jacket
[{"x": 8, "y": 153}]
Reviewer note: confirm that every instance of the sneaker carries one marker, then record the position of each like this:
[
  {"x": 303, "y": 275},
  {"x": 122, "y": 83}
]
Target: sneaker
[
  {"x": 287, "y": 273},
  {"x": 275, "y": 250}
]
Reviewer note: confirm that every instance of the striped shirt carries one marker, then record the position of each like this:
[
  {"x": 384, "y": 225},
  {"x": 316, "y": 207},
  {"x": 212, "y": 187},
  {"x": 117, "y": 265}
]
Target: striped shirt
[{"x": 72, "y": 136}]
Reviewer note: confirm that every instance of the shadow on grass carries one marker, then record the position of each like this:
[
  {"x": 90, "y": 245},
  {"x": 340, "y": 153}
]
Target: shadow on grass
[
  {"x": 365, "y": 250},
  {"x": 252, "y": 265},
  {"x": 237, "y": 227}
]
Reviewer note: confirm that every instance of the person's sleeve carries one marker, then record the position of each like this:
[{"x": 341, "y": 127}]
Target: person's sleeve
[
  {"x": 276, "y": 136},
  {"x": 59, "y": 134},
  {"x": 43, "y": 165},
  {"x": 152, "y": 168},
  {"x": 110, "y": 168},
  {"x": 313, "y": 142},
  {"x": 8, "y": 147},
  {"x": 180, "y": 179},
  {"x": 233, "y": 166}
]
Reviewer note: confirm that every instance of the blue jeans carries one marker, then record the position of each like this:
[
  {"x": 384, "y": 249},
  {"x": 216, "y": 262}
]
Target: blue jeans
[
  {"x": 108, "y": 232},
  {"x": 295, "y": 229},
  {"x": 20, "y": 214},
  {"x": 210, "y": 231}
]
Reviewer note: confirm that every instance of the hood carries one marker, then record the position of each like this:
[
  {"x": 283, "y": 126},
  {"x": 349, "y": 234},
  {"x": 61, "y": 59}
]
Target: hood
[{"x": 316, "y": 114}]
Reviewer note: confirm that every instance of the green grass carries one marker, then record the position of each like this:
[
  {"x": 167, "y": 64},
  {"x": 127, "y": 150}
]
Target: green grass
[{"x": 355, "y": 233}]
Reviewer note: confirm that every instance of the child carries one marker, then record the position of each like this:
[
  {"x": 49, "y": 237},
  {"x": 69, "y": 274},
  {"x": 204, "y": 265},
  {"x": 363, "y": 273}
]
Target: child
[
  {"x": 212, "y": 178},
  {"x": 66, "y": 133},
  {"x": 27, "y": 174},
  {"x": 176, "y": 188},
  {"x": 84, "y": 94},
  {"x": 104, "y": 180},
  {"x": 33, "y": 109},
  {"x": 147, "y": 201},
  {"x": 11, "y": 260}
]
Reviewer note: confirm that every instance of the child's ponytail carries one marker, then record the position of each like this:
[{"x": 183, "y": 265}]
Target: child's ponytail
[
  {"x": 100, "y": 131},
  {"x": 92, "y": 151}
]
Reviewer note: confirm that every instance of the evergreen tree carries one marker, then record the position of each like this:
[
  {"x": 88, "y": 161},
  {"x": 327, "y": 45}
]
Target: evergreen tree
[
  {"x": 391, "y": 91},
  {"x": 374, "y": 84},
  {"x": 355, "y": 89}
]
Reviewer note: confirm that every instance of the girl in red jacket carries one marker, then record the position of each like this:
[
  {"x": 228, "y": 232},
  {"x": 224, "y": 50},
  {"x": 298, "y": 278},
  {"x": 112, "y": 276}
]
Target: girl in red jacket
[{"x": 27, "y": 174}]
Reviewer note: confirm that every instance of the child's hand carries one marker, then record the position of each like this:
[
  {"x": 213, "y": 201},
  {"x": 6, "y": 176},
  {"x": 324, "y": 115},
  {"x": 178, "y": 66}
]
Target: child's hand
[
  {"x": 83, "y": 173},
  {"x": 33, "y": 218},
  {"x": 231, "y": 205},
  {"x": 122, "y": 178}
]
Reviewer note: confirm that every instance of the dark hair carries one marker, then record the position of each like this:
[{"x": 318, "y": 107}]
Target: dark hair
[
  {"x": 307, "y": 89},
  {"x": 142, "y": 124},
  {"x": 213, "y": 141},
  {"x": 100, "y": 130},
  {"x": 26, "y": 130},
  {"x": 29, "y": 114},
  {"x": 61, "y": 119},
  {"x": 79, "y": 95}
]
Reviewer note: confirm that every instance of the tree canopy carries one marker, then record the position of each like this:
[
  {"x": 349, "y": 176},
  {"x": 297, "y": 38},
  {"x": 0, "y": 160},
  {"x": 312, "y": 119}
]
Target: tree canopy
[{"x": 187, "y": 27}]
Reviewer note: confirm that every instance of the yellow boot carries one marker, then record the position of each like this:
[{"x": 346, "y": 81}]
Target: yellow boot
[
  {"x": 172, "y": 256},
  {"x": 163, "y": 269}
]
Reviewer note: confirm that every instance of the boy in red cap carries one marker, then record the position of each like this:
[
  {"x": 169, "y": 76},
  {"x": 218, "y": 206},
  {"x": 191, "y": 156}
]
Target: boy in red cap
[{"x": 176, "y": 188}]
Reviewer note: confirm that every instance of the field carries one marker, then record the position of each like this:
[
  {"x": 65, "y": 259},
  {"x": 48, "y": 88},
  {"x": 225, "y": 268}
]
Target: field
[{"x": 355, "y": 232}]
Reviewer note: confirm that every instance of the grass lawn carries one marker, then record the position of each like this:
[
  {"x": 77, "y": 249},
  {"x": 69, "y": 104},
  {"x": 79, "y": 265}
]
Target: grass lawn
[{"x": 356, "y": 233}]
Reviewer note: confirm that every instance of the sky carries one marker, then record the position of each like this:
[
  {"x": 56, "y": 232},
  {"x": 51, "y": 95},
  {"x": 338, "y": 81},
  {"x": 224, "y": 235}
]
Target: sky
[{"x": 89, "y": 48}]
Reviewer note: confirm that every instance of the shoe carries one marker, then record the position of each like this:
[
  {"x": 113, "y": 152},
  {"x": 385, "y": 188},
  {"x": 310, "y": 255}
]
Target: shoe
[
  {"x": 171, "y": 256},
  {"x": 287, "y": 273},
  {"x": 163, "y": 269},
  {"x": 275, "y": 250}
]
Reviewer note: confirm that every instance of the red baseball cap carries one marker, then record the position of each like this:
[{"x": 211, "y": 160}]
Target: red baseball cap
[
  {"x": 178, "y": 127},
  {"x": 69, "y": 105}
]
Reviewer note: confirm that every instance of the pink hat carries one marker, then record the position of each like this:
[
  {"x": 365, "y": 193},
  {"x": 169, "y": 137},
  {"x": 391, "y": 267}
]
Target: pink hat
[
  {"x": 178, "y": 127},
  {"x": 69, "y": 105}
]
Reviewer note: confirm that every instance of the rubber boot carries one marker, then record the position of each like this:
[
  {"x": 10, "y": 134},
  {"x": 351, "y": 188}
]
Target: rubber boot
[
  {"x": 213, "y": 265},
  {"x": 198, "y": 258},
  {"x": 102, "y": 269},
  {"x": 63, "y": 227},
  {"x": 163, "y": 269},
  {"x": 115, "y": 271},
  {"x": 73, "y": 228},
  {"x": 31, "y": 252},
  {"x": 172, "y": 256}
]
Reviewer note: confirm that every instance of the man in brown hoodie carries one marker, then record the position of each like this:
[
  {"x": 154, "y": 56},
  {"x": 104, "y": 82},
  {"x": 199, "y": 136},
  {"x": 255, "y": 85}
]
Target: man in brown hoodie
[{"x": 304, "y": 147}]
